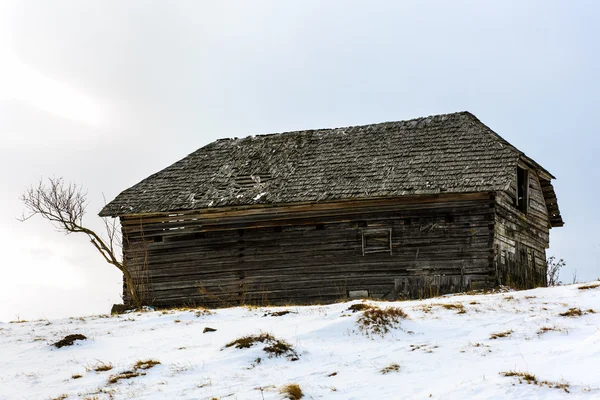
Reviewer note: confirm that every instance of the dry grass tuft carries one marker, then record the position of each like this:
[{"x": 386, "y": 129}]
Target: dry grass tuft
[
  {"x": 101, "y": 367},
  {"x": 545, "y": 329},
  {"x": 572, "y": 312},
  {"x": 203, "y": 312},
  {"x": 526, "y": 376},
  {"x": 459, "y": 307},
  {"x": 390, "y": 368},
  {"x": 533, "y": 380},
  {"x": 378, "y": 321},
  {"x": 145, "y": 364},
  {"x": 246, "y": 342},
  {"x": 501, "y": 334},
  {"x": 292, "y": 391},
  {"x": 274, "y": 347},
  {"x": 139, "y": 365},
  {"x": 76, "y": 376},
  {"x": 276, "y": 313},
  {"x": 590, "y": 286},
  {"x": 124, "y": 375},
  {"x": 359, "y": 307}
]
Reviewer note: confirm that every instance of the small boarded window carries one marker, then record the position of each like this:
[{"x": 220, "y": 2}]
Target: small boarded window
[
  {"x": 522, "y": 185},
  {"x": 376, "y": 240}
]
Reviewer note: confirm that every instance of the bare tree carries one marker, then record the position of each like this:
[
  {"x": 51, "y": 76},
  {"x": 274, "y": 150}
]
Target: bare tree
[
  {"x": 553, "y": 270},
  {"x": 64, "y": 206}
]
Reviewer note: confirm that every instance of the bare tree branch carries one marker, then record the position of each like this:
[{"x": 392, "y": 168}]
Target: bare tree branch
[{"x": 64, "y": 206}]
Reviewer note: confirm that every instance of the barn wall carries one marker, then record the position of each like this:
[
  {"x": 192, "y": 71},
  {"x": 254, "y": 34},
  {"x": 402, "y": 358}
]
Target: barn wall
[
  {"x": 521, "y": 239},
  {"x": 314, "y": 253}
]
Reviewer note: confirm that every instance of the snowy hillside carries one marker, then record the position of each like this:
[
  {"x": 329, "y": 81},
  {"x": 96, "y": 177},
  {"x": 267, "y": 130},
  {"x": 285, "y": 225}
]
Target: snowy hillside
[{"x": 453, "y": 347}]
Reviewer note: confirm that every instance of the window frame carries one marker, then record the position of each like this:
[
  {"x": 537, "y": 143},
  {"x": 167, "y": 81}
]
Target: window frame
[{"x": 379, "y": 233}]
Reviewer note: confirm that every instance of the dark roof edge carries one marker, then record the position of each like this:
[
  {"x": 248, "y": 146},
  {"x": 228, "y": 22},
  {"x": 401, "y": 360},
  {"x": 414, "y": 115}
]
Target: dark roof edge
[{"x": 416, "y": 197}]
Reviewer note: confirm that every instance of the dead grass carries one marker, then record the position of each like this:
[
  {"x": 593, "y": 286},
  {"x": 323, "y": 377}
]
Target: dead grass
[
  {"x": 531, "y": 379},
  {"x": 359, "y": 307},
  {"x": 378, "y": 321},
  {"x": 76, "y": 376},
  {"x": 501, "y": 334},
  {"x": 545, "y": 329},
  {"x": 101, "y": 367},
  {"x": 145, "y": 364},
  {"x": 246, "y": 342},
  {"x": 590, "y": 286},
  {"x": 390, "y": 368},
  {"x": 572, "y": 312},
  {"x": 292, "y": 391},
  {"x": 274, "y": 347},
  {"x": 124, "y": 375},
  {"x": 134, "y": 372},
  {"x": 276, "y": 313},
  {"x": 525, "y": 376},
  {"x": 459, "y": 307},
  {"x": 203, "y": 312}
]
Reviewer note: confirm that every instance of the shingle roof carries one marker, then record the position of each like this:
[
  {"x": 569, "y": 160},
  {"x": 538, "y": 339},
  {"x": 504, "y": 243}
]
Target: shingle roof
[{"x": 452, "y": 153}]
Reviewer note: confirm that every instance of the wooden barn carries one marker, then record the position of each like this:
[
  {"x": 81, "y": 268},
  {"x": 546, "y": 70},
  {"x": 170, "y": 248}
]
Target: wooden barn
[{"x": 392, "y": 210}]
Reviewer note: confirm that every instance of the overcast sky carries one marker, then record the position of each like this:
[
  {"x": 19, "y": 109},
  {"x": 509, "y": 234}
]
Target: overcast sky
[{"x": 106, "y": 93}]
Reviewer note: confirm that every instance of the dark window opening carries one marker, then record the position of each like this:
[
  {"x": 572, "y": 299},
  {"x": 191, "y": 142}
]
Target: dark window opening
[
  {"x": 240, "y": 232},
  {"x": 158, "y": 239},
  {"x": 449, "y": 218},
  {"x": 376, "y": 240},
  {"x": 278, "y": 229},
  {"x": 522, "y": 185},
  {"x": 198, "y": 235},
  {"x": 320, "y": 227}
]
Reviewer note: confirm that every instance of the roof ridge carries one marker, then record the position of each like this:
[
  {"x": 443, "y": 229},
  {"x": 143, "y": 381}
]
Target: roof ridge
[{"x": 375, "y": 124}]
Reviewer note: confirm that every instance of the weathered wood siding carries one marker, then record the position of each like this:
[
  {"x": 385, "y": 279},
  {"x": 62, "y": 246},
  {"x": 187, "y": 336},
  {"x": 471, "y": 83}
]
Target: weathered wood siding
[
  {"x": 521, "y": 239},
  {"x": 314, "y": 253}
]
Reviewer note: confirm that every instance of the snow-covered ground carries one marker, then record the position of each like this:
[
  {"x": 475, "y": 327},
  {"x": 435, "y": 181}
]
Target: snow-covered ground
[{"x": 444, "y": 353}]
